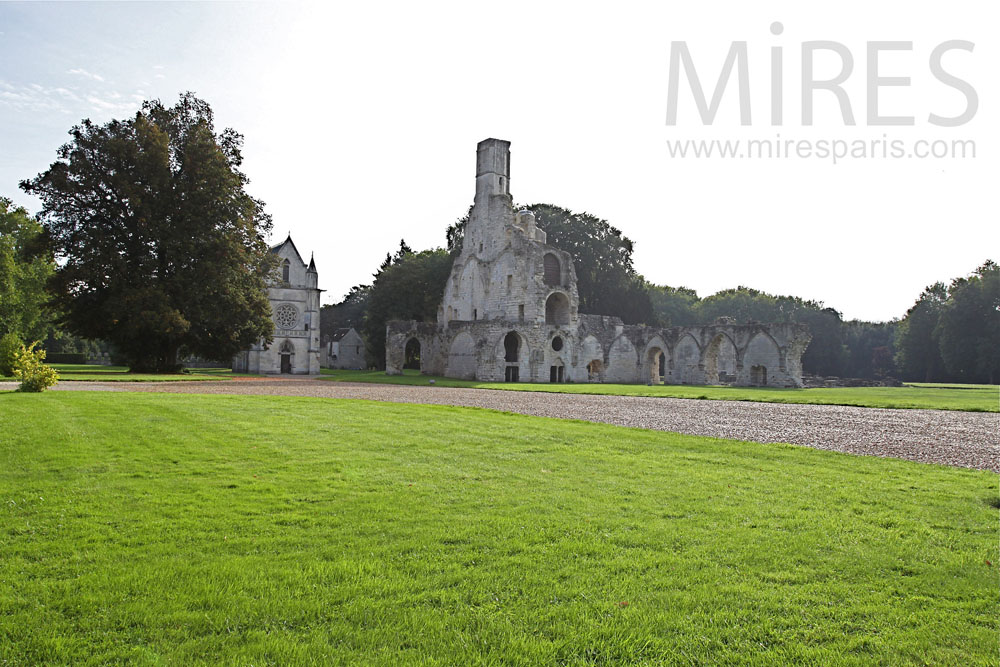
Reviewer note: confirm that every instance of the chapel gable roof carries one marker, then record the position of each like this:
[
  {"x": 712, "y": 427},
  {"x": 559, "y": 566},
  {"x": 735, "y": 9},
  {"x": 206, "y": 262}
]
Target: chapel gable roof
[{"x": 288, "y": 241}]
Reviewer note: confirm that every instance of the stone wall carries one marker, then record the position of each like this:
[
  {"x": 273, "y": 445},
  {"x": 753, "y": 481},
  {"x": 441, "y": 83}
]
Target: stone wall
[{"x": 602, "y": 349}]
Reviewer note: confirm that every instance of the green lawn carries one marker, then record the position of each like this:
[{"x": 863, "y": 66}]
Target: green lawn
[
  {"x": 174, "y": 529},
  {"x": 973, "y": 398},
  {"x": 81, "y": 372}
]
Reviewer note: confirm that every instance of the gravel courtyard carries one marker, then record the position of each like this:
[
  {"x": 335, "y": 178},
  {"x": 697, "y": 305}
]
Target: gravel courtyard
[{"x": 966, "y": 439}]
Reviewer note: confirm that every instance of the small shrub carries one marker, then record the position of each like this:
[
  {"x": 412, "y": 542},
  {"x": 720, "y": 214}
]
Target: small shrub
[
  {"x": 29, "y": 369},
  {"x": 10, "y": 346}
]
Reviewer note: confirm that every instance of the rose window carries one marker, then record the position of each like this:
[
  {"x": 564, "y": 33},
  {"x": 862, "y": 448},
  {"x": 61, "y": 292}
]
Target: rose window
[{"x": 286, "y": 316}]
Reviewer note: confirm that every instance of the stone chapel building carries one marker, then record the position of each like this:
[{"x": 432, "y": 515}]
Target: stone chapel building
[
  {"x": 509, "y": 313},
  {"x": 294, "y": 294}
]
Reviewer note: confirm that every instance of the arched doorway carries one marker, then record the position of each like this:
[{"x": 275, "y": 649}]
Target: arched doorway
[
  {"x": 411, "y": 355},
  {"x": 285, "y": 354},
  {"x": 557, "y": 309},
  {"x": 511, "y": 357},
  {"x": 720, "y": 360},
  {"x": 594, "y": 370},
  {"x": 657, "y": 361}
]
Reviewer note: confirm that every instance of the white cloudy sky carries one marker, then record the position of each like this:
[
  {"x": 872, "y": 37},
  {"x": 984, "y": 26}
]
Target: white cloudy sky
[{"x": 361, "y": 121}]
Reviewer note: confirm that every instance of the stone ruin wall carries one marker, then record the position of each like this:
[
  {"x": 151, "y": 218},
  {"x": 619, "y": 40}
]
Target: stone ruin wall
[{"x": 602, "y": 349}]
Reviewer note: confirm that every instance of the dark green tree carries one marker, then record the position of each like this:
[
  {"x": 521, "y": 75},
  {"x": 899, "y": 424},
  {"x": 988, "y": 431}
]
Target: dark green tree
[
  {"x": 25, "y": 268},
  {"x": 826, "y": 353},
  {"x": 348, "y": 313},
  {"x": 160, "y": 248},
  {"x": 742, "y": 304},
  {"x": 968, "y": 330},
  {"x": 871, "y": 348},
  {"x": 673, "y": 306},
  {"x": 918, "y": 352},
  {"x": 409, "y": 287}
]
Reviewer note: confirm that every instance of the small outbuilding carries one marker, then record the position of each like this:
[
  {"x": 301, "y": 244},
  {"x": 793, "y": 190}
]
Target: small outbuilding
[{"x": 345, "y": 349}]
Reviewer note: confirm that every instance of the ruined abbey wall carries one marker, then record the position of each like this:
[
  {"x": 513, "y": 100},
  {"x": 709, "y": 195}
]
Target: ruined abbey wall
[{"x": 510, "y": 313}]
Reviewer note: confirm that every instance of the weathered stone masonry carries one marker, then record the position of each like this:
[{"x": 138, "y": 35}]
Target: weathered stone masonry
[{"x": 509, "y": 313}]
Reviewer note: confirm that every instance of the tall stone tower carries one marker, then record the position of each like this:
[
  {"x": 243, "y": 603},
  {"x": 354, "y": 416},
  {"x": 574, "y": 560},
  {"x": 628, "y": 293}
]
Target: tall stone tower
[
  {"x": 500, "y": 273},
  {"x": 492, "y": 207}
]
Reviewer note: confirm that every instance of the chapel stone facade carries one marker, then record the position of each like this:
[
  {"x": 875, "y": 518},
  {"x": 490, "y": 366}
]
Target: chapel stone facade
[
  {"x": 510, "y": 313},
  {"x": 294, "y": 294}
]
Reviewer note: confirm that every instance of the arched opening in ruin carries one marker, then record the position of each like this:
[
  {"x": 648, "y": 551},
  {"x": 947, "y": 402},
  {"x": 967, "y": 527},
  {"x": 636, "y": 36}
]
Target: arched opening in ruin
[
  {"x": 511, "y": 347},
  {"x": 411, "y": 355},
  {"x": 552, "y": 270},
  {"x": 720, "y": 360},
  {"x": 557, "y": 309},
  {"x": 687, "y": 360},
  {"x": 657, "y": 365},
  {"x": 512, "y": 352},
  {"x": 594, "y": 370},
  {"x": 761, "y": 358}
]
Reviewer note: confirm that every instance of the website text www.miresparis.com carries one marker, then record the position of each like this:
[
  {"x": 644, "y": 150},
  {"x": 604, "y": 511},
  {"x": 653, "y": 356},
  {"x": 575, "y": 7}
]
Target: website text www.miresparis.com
[
  {"x": 835, "y": 94},
  {"x": 834, "y": 150}
]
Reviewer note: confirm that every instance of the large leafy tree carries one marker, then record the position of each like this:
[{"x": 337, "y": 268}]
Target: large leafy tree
[
  {"x": 968, "y": 330},
  {"x": 25, "y": 268},
  {"x": 160, "y": 248},
  {"x": 918, "y": 353},
  {"x": 408, "y": 286},
  {"x": 348, "y": 313}
]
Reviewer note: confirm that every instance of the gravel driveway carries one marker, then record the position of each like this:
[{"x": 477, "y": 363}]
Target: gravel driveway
[{"x": 966, "y": 439}]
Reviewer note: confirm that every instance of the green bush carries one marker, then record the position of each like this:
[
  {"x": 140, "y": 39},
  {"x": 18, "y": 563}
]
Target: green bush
[
  {"x": 10, "y": 346},
  {"x": 29, "y": 369}
]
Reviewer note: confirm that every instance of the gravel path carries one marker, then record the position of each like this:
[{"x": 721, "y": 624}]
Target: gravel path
[{"x": 965, "y": 439}]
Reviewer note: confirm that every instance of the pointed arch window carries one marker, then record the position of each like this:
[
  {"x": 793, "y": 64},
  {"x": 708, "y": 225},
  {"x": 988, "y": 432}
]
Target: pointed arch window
[{"x": 286, "y": 269}]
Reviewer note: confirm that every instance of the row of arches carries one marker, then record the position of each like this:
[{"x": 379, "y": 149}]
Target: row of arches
[
  {"x": 720, "y": 361},
  {"x": 759, "y": 361}
]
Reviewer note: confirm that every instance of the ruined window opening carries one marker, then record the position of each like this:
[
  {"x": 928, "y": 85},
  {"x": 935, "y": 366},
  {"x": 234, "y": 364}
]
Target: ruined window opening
[
  {"x": 557, "y": 309},
  {"x": 552, "y": 270},
  {"x": 520, "y": 312},
  {"x": 480, "y": 247},
  {"x": 475, "y": 314},
  {"x": 510, "y": 283},
  {"x": 557, "y": 343},
  {"x": 286, "y": 268}
]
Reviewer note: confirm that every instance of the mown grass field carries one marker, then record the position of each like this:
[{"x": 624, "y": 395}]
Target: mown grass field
[
  {"x": 94, "y": 373},
  {"x": 173, "y": 529},
  {"x": 972, "y": 398}
]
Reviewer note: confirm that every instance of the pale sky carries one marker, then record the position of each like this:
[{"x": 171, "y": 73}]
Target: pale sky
[{"x": 361, "y": 122}]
